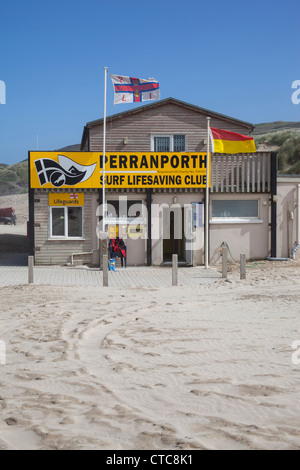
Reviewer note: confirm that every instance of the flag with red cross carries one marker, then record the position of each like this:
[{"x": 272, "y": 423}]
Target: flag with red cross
[{"x": 134, "y": 90}]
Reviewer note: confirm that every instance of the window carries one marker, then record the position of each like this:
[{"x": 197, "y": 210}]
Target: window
[
  {"x": 178, "y": 143},
  {"x": 66, "y": 222},
  {"x": 235, "y": 211},
  {"x": 162, "y": 144},
  {"x": 75, "y": 222},
  {"x": 168, "y": 143},
  {"x": 58, "y": 222}
]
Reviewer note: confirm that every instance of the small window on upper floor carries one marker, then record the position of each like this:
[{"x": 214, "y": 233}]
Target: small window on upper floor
[{"x": 168, "y": 143}]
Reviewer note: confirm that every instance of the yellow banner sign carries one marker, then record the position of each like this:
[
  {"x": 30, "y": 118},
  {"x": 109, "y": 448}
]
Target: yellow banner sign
[
  {"x": 66, "y": 199},
  {"x": 122, "y": 170}
]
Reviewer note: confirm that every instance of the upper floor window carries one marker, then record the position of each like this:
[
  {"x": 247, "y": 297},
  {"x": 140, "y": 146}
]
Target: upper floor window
[{"x": 168, "y": 143}]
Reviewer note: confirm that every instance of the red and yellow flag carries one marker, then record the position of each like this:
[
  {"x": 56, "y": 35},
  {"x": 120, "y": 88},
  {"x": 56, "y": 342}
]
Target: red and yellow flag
[{"x": 231, "y": 142}]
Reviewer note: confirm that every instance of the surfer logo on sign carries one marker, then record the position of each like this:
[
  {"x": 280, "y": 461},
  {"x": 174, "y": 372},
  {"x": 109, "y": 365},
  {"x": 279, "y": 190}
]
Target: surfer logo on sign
[{"x": 65, "y": 172}]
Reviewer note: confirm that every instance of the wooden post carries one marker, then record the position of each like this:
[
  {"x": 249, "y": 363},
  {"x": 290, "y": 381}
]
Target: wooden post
[
  {"x": 243, "y": 266},
  {"x": 105, "y": 271},
  {"x": 174, "y": 270},
  {"x": 104, "y": 248},
  {"x": 30, "y": 269},
  {"x": 273, "y": 205},
  {"x": 224, "y": 261}
]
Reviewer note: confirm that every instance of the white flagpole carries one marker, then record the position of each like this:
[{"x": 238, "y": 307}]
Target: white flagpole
[
  {"x": 206, "y": 241},
  {"x": 104, "y": 145}
]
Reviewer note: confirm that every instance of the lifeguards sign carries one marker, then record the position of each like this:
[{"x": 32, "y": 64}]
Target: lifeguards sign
[{"x": 122, "y": 170}]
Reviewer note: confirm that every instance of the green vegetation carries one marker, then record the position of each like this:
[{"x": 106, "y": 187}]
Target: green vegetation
[
  {"x": 266, "y": 127},
  {"x": 14, "y": 178},
  {"x": 287, "y": 144}
]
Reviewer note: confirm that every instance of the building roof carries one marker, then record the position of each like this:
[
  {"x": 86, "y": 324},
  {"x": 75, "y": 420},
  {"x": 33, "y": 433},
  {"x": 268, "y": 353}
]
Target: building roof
[{"x": 158, "y": 104}]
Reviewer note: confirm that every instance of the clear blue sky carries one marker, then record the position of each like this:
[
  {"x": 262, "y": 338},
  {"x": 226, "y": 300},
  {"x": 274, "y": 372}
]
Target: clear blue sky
[{"x": 237, "y": 58}]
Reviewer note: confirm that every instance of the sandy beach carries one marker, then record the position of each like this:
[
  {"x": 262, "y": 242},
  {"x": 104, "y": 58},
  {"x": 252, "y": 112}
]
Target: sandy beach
[
  {"x": 211, "y": 367},
  {"x": 13, "y": 238}
]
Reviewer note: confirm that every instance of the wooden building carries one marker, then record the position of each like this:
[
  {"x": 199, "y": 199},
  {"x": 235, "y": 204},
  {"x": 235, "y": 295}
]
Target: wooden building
[{"x": 242, "y": 209}]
